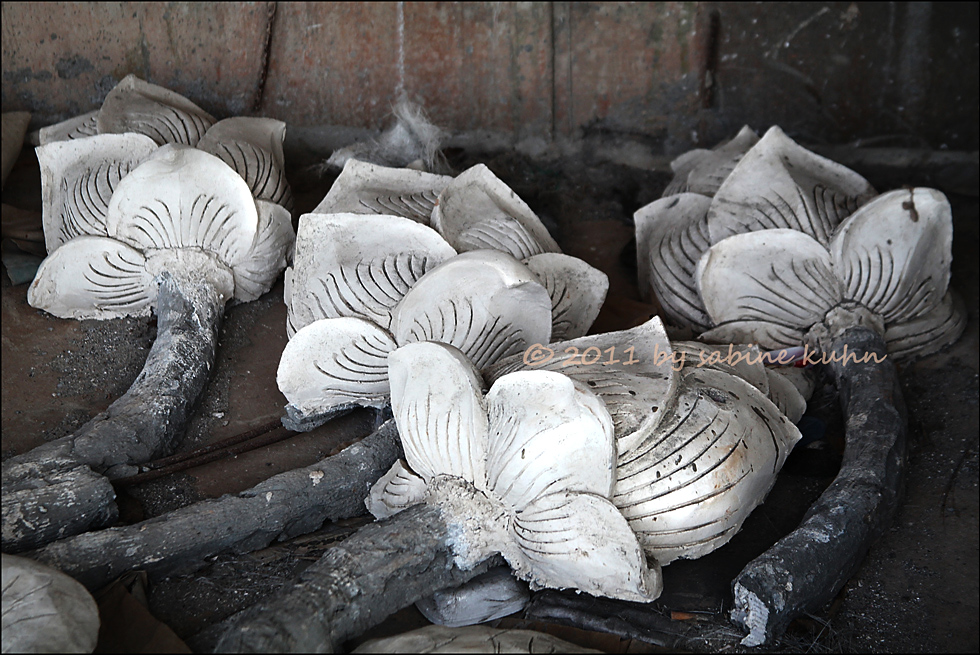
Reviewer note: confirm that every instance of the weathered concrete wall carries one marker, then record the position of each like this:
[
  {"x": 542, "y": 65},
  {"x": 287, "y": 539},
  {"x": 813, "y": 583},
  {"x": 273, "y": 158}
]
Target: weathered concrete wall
[{"x": 669, "y": 75}]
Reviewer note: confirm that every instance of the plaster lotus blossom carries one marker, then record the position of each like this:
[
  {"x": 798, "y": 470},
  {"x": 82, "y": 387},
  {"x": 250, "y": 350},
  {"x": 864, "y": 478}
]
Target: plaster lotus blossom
[
  {"x": 166, "y": 117},
  {"x": 704, "y": 171},
  {"x": 477, "y": 210},
  {"x": 486, "y": 303},
  {"x": 889, "y": 262},
  {"x": 529, "y": 467},
  {"x": 181, "y": 210}
]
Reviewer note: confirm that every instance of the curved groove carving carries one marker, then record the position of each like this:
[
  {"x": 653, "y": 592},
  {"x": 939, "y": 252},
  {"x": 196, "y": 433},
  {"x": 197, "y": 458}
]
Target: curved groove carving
[
  {"x": 704, "y": 171},
  {"x": 273, "y": 247},
  {"x": 504, "y": 233},
  {"x": 577, "y": 292},
  {"x": 166, "y": 117},
  {"x": 78, "y": 127}
]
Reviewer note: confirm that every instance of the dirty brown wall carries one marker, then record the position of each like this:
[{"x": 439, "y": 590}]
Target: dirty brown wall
[{"x": 668, "y": 74}]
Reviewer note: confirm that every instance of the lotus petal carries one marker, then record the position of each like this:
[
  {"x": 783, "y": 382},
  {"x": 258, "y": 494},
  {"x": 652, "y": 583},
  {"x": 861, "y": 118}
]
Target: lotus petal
[
  {"x": 397, "y": 489},
  {"x": 687, "y": 489},
  {"x": 893, "y": 255},
  {"x": 779, "y": 278},
  {"x": 802, "y": 379},
  {"x": 779, "y": 184},
  {"x": 356, "y": 265},
  {"x": 582, "y": 541},
  {"x": 927, "y": 333},
  {"x": 576, "y": 289},
  {"x": 268, "y": 256},
  {"x": 477, "y": 211},
  {"x": 633, "y": 372},
  {"x": 769, "y": 335},
  {"x": 743, "y": 360},
  {"x": 78, "y": 177},
  {"x": 486, "y": 597},
  {"x": 253, "y": 148},
  {"x": 78, "y": 127},
  {"x": 671, "y": 236},
  {"x": 704, "y": 171},
  {"x": 784, "y": 395},
  {"x": 164, "y": 116},
  {"x": 471, "y": 639},
  {"x": 335, "y": 362},
  {"x": 45, "y": 611},
  {"x": 93, "y": 277},
  {"x": 548, "y": 434},
  {"x": 485, "y": 303},
  {"x": 363, "y": 188},
  {"x": 181, "y": 198},
  {"x": 437, "y": 401}
]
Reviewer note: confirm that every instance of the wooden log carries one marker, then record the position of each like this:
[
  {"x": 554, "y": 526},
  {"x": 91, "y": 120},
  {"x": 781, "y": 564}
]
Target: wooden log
[
  {"x": 808, "y": 567},
  {"x": 354, "y": 586},
  {"x": 144, "y": 423},
  {"x": 286, "y": 505}
]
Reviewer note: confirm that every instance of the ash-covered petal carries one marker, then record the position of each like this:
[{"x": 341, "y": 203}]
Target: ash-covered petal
[
  {"x": 356, "y": 265},
  {"x": 159, "y": 113},
  {"x": 93, "y": 277},
  {"x": 743, "y": 360},
  {"x": 577, "y": 291},
  {"x": 687, "y": 489},
  {"x": 437, "y": 401},
  {"x": 633, "y": 372},
  {"x": 78, "y": 178},
  {"x": 182, "y": 198},
  {"x": 335, "y": 362},
  {"x": 364, "y": 188},
  {"x": 580, "y": 540},
  {"x": 398, "y": 489},
  {"x": 78, "y": 127},
  {"x": 779, "y": 184},
  {"x": 780, "y": 278},
  {"x": 486, "y": 303},
  {"x": 927, "y": 333},
  {"x": 253, "y": 148},
  {"x": 893, "y": 255},
  {"x": 785, "y": 395},
  {"x": 671, "y": 236},
  {"x": 269, "y": 253},
  {"x": 478, "y": 211},
  {"x": 766, "y": 334},
  {"x": 548, "y": 434},
  {"x": 704, "y": 171}
]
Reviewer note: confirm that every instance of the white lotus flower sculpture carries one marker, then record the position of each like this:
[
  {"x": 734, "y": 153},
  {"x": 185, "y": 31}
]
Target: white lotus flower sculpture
[
  {"x": 806, "y": 238},
  {"x": 530, "y": 466}
]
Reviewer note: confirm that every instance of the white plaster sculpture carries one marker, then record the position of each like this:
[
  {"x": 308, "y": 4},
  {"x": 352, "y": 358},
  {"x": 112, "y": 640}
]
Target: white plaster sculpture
[
  {"x": 577, "y": 292},
  {"x": 486, "y": 303},
  {"x": 166, "y": 117},
  {"x": 78, "y": 127},
  {"x": 703, "y": 171},
  {"x": 363, "y": 188},
  {"x": 477, "y": 210},
  {"x": 45, "y": 611},
  {"x": 182, "y": 211},
  {"x": 528, "y": 469},
  {"x": 474, "y": 639},
  {"x": 486, "y": 597}
]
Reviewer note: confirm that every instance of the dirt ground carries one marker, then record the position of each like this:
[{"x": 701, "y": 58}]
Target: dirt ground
[{"x": 917, "y": 590}]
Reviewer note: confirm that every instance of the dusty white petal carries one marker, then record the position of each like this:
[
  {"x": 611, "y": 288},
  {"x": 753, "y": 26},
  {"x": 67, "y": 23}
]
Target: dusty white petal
[
  {"x": 477, "y": 210},
  {"x": 767, "y": 335},
  {"x": 743, "y": 360},
  {"x": 779, "y": 184},
  {"x": 784, "y": 395},
  {"x": 893, "y": 255},
  {"x": 581, "y": 541},
  {"x": 471, "y": 639},
  {"x": 78, "y": 178},
  {"x": 78, "y": 127},
  {"x": 486, "y": 597},
  {"x": 778, "y": 277},
  {"x": 548, "y": 434},
  {"x": 191, "y": 265},
  {"x": 364, "y": 188},
  {"x": 397, "y": 489},
  {"x": 164, "y": 116},
  {"x": 704, "y": 171},
  {"x": 93, "y": 277},
  {"x": 927, "y": 333},
  {"x": 253, "y": 148},
  {"x": 686, "y": 489},
  {"x": 671, "y": 236},
  {"x": 633, "y": 372},
  {"x": 357, "y": 265},
  {"x": 437, "y": 401},
  {"x": 181, "y": 198},
  {"x": 269, "y": 253},
  {"x": 485, "y": 303},
  {"x": 577, "y": 291},
  {"x": 803, "y": 379},
  {"x": 334, "y": 362},
  {"x": 45, "y": 611}
]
